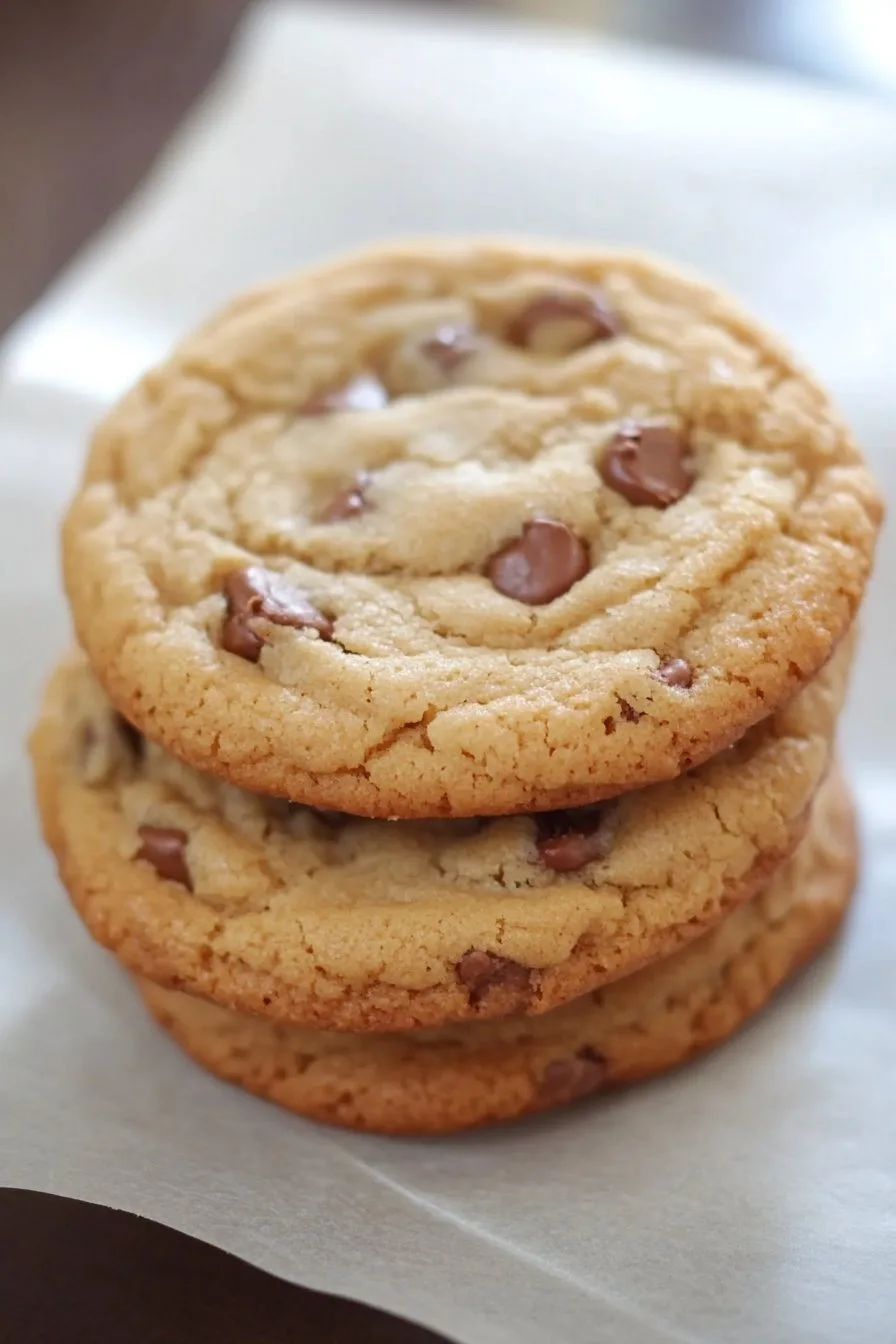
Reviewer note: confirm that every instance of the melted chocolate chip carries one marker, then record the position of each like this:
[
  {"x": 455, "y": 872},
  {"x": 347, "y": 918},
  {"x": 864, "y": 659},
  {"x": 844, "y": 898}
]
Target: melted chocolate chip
[
  {"x": 364, "y": 393},
  {"x": 255, "y": 595},
  {"x": 675, "y": 672},
  {"x": 449, "y": 346},
  {"x": 563, "y": 321},
  {"x": 479, "y": 972},
  {"x": 573, "y": 1077},
  {"x": 349, "y": 502},
  {"x": 540, "y": 565},
  {"x": 164, "y": 847},
  {"x": 646, "y": 465},
  {"x": 569, "y": 840}
]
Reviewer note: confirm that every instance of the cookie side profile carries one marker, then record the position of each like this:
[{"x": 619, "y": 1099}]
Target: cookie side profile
[
  {"x": 438, "y": 1081},
  {"x": 325, "y": 920},
  {"x": 465, "y": 529}
]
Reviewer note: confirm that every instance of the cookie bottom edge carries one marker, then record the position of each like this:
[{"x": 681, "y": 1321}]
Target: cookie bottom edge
[{"x": 442, "y": 1080}]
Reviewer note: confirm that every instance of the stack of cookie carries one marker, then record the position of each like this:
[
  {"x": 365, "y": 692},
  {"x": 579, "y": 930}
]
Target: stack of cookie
[{"x": 464, "y": 631}]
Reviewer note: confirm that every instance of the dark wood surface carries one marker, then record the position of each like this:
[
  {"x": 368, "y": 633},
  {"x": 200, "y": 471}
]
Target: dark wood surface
[
  {"x": 71, "y": 1273},
  {"x": 90, "y": 90}
]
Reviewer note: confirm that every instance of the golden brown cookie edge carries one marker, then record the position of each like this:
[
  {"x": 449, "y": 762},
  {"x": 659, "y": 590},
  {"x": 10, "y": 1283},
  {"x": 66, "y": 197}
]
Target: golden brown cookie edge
[
  {"x": 761, "y": 685},
  {"x": 434, "y": 1090},
  {"x": 129, "y": 909}
]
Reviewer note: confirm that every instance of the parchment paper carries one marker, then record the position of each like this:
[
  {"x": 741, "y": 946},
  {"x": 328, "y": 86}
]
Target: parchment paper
[{"x": 751, "y": 1197}]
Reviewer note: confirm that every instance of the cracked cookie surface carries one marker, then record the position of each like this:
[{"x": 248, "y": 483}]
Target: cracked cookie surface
[
  {"x": 442, "y": 1080},
  {"x": 467, "y": 528},
  {"x": 326, "y": 920}
]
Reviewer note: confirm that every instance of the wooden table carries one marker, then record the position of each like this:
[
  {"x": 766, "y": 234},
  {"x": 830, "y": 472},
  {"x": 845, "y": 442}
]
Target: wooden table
[
  {"x": 90, "y": 90},
  {"x": 71, "y": 1273}
]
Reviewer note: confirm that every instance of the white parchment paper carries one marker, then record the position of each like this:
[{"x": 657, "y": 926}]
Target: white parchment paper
[{"x": 751, "y": 1197}]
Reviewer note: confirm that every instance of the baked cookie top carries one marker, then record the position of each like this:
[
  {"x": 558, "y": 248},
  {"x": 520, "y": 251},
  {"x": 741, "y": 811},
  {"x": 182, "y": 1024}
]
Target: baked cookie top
[
  {"x": 467, "y": 528},
  {"x": 442, "y": 1079},
  {"x": 326, "y": 920}
]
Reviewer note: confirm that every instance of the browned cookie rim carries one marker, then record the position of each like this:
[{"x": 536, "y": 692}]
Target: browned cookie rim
[
  {"x": 674, "y": 728},
  {"x": 157, "y": 929},
  {"x": 452, "y": 1087}
]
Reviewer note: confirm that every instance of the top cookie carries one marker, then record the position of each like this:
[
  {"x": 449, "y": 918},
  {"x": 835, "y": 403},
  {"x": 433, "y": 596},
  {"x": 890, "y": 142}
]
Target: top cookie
[{"x": 467, "y": 528}]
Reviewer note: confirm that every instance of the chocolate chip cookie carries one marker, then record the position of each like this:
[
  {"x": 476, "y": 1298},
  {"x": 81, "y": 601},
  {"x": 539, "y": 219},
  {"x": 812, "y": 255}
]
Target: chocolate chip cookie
[
  {"x": 451, "y": 1078},
  {"x": 325, "y": 920},
  {"x": 471, "y": 528}
]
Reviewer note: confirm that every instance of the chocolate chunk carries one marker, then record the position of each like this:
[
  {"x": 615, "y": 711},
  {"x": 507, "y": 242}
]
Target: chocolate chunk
[
  {"x": 540, "y": 565},
  {"x": 164, "y": 848},
  {"x": 568, "y": 840},
  {"x": 364, "y": 393},
  {"x": 255, "y": 595},
  {"x": 479, "y": 972},
  {"x": 675, "y": 672},
  {"x": 573, "y": 1077},
  {"x": 449, "y": 346},
  {"x": 132, "y": 737},
  {"x": 563, "y": 321},
  {"x": 646, "y": 465},
  {"x": 349, "y": 502}
]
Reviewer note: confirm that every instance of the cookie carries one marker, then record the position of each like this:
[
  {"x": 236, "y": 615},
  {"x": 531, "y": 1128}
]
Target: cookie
[
  {"x": 325, "y": 920},
  {"x": 471, "y": 528},
  {"x": 442, "y": 1080}
]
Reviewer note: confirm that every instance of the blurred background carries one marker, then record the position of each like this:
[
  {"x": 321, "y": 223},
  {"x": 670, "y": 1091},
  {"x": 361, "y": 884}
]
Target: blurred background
[{"x": 91, "y": 90}]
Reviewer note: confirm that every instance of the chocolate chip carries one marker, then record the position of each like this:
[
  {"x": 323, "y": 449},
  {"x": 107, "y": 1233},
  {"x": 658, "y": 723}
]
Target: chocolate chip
[
  {"x": 164, "y": 848},
  {"x": 646, "y": 465},
  {"x": 675, "y": 672},
  {"x": 540, "y": 565},
  {"x": 349, "y": 502},
  {"x": 568, "y": 840},
  {"x": 449, "y": 346},
  {"x": 364, "y": 393},
  {"x": 479, "y": 972},
  {"x": 573, "y": 1077},
  {"x": 255, "y": 595},
  {"x": 428, "y": 360},
  {"x": 563, "y": 321},
  {"x": 132, "y": 737}
]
